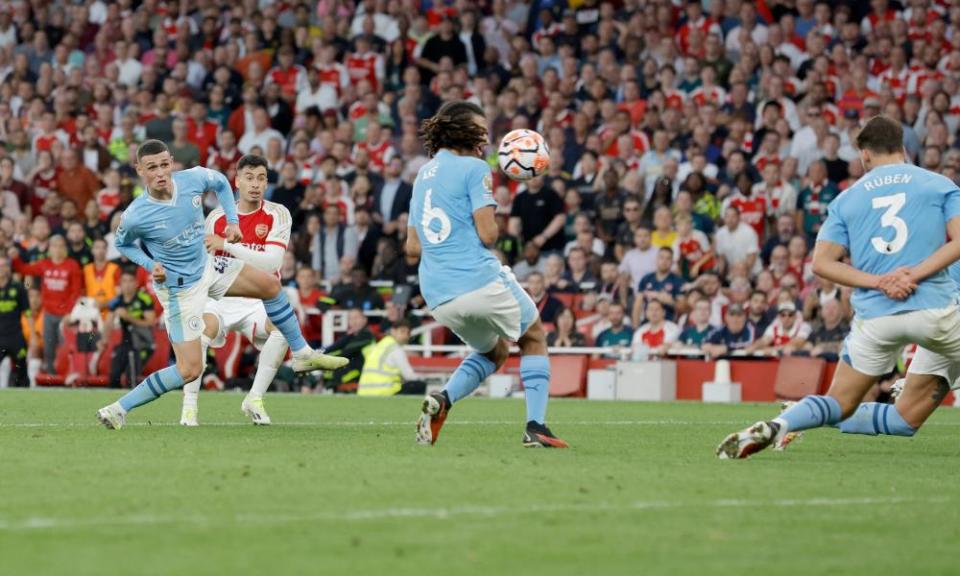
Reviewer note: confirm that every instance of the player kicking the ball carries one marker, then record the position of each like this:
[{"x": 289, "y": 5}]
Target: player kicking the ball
[
  {"x": 451, "y": 225},
  {"x": 168, "y": 220},
  {"x": 892, "y": 223},
  {"x": 265, "y": 230}
]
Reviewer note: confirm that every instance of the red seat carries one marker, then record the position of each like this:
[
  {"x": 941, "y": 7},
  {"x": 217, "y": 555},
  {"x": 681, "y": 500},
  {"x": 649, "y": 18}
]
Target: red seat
[{"x": 565, "y": 298}]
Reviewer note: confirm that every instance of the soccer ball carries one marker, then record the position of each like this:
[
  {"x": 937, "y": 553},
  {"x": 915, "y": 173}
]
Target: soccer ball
[{"x": 523, "y": 155}]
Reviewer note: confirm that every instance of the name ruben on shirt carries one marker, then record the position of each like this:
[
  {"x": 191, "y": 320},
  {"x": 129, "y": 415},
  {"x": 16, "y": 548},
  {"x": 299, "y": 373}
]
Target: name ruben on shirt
[{"x": 878, "y": 181}]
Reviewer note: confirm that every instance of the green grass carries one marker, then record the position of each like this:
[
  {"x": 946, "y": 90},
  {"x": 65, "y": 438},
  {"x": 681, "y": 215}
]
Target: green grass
[{"x": 342, "y": 489}]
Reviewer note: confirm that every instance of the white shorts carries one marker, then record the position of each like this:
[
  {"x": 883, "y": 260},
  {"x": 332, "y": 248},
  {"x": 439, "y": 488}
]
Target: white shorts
[
  {"x": 245, "y": 316},
  {"x": 501, "y": 309},
  {"x": 183, "y": 307},
  {"x": 873, "y": 346}
]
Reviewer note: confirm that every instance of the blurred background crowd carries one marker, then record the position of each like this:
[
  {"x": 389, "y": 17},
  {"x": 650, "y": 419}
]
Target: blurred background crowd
[{"x": 695, "y": 148}]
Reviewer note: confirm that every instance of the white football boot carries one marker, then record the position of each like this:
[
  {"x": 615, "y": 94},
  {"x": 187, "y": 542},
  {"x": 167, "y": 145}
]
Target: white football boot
[
  {"x": 253, "y": 407},
  {"x": 188, "y": 416},
  {"x": 112, "y": 416},
  {"x": 742, "y": 444}
]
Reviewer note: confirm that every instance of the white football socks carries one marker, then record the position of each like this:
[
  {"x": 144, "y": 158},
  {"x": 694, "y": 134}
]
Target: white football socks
[{"x": 271, "y": 357}]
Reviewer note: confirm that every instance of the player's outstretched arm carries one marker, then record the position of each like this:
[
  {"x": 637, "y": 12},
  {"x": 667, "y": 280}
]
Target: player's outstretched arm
[
  {"x": 943, "y": 257},
  {"x": 217, "y": 182}
]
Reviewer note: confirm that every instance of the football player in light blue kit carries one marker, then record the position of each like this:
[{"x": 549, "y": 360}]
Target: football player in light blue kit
[
  {"x": 892, "y": 223},
  {"x": 168, "y": 221},
  {"x": 914, "y": 404},
  {"x": 451, "y": 226}
]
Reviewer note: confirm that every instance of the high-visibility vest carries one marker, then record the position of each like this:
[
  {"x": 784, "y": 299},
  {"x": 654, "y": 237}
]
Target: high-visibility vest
[{"x": 378, "y": 377}]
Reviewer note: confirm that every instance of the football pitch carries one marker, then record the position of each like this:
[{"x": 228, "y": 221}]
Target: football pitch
[{"x": 337, "y": 486}]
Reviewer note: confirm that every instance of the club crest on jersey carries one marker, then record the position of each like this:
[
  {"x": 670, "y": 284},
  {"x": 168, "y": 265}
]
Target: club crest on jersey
[
  {"x": 196, "y": 201},
  {"x": 261, "y": 230}
]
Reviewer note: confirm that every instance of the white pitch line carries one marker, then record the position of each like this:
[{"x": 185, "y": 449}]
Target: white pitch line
[
  {"x": 371, "y": 423},
  {"x": 403, "y": 423},
  {"x": 442, "y": 513}
]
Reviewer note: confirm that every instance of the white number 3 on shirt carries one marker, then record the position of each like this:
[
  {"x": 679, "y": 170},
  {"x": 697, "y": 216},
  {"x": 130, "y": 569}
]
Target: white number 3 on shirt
[
  {"x": 429, "y": 215},
  {"x": 893, "y": 203}
]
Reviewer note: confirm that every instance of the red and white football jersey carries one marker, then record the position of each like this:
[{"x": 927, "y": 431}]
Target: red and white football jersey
[
  {"x": 716, "y": 96},
  {"x": 781, "y": 336},
  {"x": 753, "y": 210},
  {"x": 269, "y": 225},
  {"x": 334, "y": 75},
  {"x": 379, "y": 154},
  {"x": 364, "y": 67}
]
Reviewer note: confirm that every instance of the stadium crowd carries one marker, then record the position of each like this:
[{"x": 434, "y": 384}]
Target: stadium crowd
[{"x": 695, "y": 148}]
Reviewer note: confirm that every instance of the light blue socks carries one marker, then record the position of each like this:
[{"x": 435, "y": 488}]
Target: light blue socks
[
  {"x": 873, "y": 418},
  {"x": 472, "y": 371},
  {"x": 154, "y": 386},
  {"x": 286, "y": 321},
  {"x": 535, "y": 375},
  {"x": 811, "y": 412}
]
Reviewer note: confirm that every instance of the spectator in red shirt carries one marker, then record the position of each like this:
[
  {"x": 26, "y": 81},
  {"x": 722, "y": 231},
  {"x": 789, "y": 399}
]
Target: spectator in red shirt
[
  {"x": 61, "y": 283},
  {"x": 75, "y": 181}
]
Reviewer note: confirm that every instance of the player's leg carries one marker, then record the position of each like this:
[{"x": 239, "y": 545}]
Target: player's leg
[
  {"x": 190, "y": 409},
  {"x": 870, "y": 350},
  {"x": 253, "y": 283},
  {"x": 467, "y": 316},
  {"x": 273, "y": 349},
  {"x": 927, "y": 384},
  {"x": 535, "y": 375},
  {"x": 183, "y": 311}
]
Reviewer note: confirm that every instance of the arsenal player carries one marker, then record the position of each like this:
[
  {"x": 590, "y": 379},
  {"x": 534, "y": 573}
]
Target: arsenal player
[{"x": 265, "y": 227}]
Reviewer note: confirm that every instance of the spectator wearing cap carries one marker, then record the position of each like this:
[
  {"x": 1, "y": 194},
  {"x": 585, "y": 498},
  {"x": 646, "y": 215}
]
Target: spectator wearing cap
[
  {"x": 75, "y": 181},
  {"x": 736, "y": 334},
  {"x": 826, "y": 339},
  {"x": 657, "y": 334},
  {"x": 737, "y": 243},
  {"x": 699, "y": 331},
  {"x": 786, "y": 334},
  {"x": 813, "y": 200}
]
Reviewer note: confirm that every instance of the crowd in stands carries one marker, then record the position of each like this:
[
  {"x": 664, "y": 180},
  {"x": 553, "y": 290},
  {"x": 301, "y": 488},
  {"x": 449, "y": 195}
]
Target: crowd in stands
[{"x": 695, "y": 148}]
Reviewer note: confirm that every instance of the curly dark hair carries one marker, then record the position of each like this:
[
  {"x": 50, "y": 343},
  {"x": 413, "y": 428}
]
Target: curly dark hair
[{"x": 453, "y": 127}]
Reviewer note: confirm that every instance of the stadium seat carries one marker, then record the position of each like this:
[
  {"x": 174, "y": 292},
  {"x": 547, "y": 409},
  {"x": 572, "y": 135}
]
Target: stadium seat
[{"x": 798, "y": 377}]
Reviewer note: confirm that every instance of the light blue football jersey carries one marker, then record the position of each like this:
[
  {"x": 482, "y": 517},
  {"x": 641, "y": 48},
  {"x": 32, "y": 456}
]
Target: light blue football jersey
[
  {"x": 454, "y": 261},
  {"x": 895, "y": 216},
  {"x": 173, "y": 230}
]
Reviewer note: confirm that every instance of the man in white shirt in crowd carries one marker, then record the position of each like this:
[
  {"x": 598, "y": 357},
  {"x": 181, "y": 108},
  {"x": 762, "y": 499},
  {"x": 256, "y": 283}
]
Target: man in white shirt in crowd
[
  {"x": 737, "y": 243},
  {"x": 641, "y": 259}
]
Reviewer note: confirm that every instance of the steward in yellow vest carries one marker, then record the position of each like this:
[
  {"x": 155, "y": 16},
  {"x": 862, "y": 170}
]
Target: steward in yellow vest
[{"x": 386, "y": 370}]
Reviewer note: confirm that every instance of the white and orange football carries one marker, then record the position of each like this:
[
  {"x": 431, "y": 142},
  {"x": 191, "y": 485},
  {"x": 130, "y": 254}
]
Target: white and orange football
[{"x": 523, "y": 155}]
